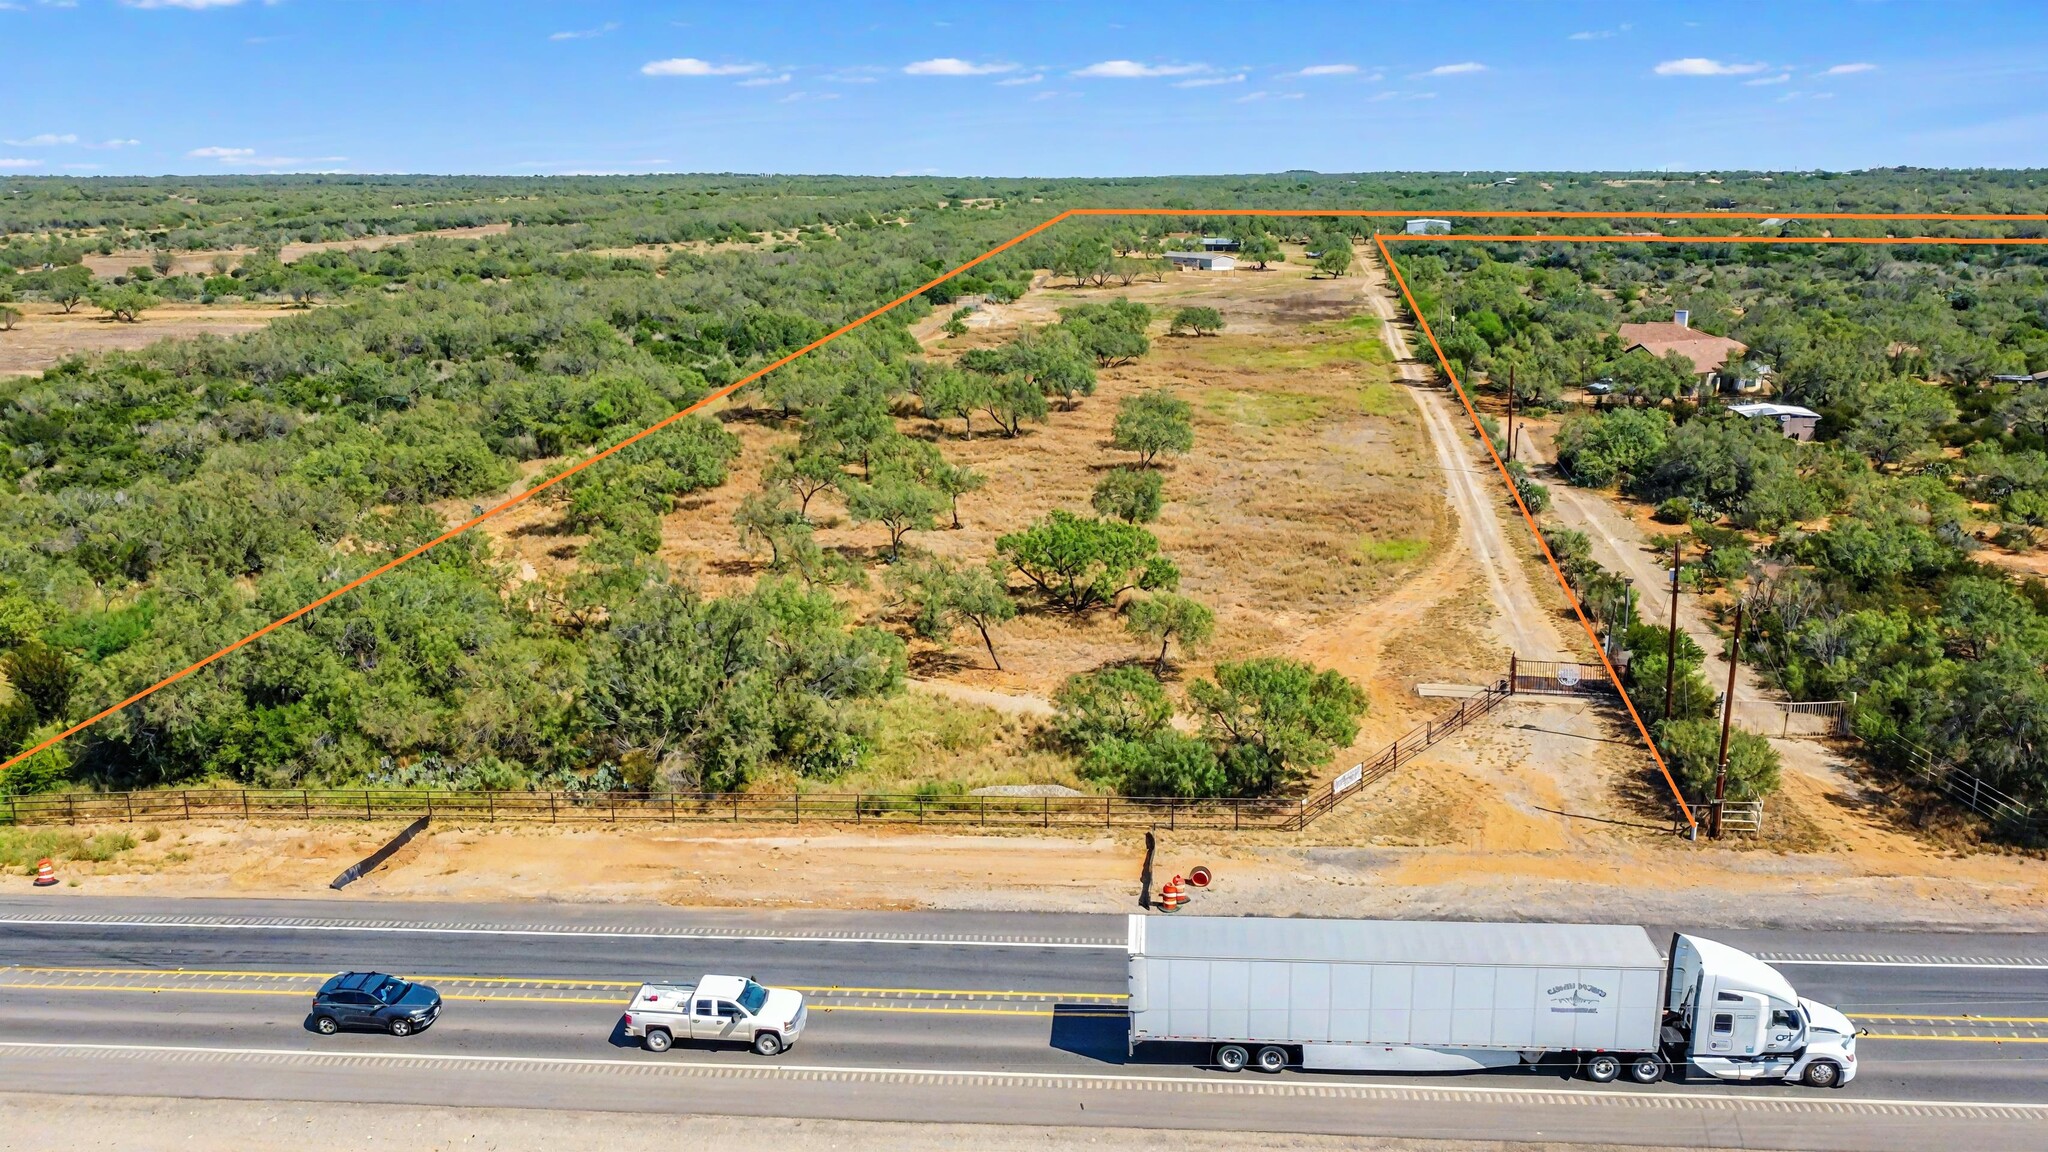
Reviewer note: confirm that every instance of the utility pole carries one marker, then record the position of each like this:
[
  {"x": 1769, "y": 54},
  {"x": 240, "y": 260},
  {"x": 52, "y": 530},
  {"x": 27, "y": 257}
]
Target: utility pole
[
  {"x": 1727, "y": 714},
  {"x": 1511, "y": 413},
  {"x": 1671, "y": 635}
]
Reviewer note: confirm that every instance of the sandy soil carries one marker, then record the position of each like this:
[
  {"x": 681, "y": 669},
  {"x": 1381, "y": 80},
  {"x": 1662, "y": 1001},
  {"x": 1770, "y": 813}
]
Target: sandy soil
[
  {"x": 39, "y": 1121},
  {"x": 46, "y": 334},
  {"x": 201, "y": 262}
]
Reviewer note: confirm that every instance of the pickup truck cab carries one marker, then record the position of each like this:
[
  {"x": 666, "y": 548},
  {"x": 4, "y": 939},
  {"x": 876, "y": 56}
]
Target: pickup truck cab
[{"x": 717, "y": 1010}]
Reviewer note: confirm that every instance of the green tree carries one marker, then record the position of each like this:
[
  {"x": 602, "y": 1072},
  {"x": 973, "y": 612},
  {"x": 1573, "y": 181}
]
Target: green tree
[
  {"x": 1076, "y": 561},
  {"x": 43, "y": 676},
  {"x": 1166, "y": 617},
  {"x": 1150, "y": 423},
  {"x": 1114, "y": 704},
  {"x": 1258, "y": 247},
  {"x": 9, "y": 317},
  {"x": 1011, "y": 401},
  {"x": 1898, "y": 418},
  {"x": 1272, "y": 718},
  {"x": 1692, "y": 749},
  {"x": 1112, "y": 333},
  {"x": 1335, "y": 256},
  {"x": 124, "y": 304},
  {"x": 1599, "y": 449},
  {"x": 947, "y": 392},
  {"x": 944, "y": 597},
  {"x": 766, "y": 519},
  {"x": 162, "y": 261},
  {"x": 1129, "y": 495},
  {"x": 804, "y": 473},
  {"x": 1197, "y": 321},
  {"x": 69, "y": 287},
  {"x": 1165, "y": 763},
  {"x": 895, "y": 500}
]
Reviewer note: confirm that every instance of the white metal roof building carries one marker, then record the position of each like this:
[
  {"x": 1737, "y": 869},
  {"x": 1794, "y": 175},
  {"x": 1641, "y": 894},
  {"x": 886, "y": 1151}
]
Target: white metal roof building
[
  {"x": 1427, "y": 225},
  {"x": 1203, "y": 261}
]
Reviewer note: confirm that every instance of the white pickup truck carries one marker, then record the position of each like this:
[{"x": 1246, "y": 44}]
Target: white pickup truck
[{"x": 717, "y": 1009}]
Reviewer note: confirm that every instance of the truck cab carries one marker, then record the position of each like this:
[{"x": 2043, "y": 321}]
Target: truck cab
[
  {"x": 717, "y": 1010},
  {"x": 1734, "y": 1017}
]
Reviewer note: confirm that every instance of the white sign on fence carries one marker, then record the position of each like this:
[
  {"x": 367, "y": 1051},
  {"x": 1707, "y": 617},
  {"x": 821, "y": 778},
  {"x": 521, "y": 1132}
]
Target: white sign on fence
[
  {"x": 1348, "y": 780},
  {"x": 1568, "y": 675}
]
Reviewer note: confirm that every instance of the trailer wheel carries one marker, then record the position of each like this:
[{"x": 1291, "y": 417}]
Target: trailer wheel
[
  {"x": 1232, "y": 1057},
  {"x": 657, "y": 1040},
  {"x": 1822, "y": 1074},
  {"x": 1646, "y": 1070},
  {"x": 1602, "y": 1068},
  {"x": 1272, "y": 1058}
]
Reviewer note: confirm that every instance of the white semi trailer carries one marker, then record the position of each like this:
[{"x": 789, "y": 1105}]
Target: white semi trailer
[{"x": 1414, "y": 996}]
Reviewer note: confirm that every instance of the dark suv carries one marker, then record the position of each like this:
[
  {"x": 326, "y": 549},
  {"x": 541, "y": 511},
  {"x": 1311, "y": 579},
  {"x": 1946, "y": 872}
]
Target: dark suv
[{"x": 374, "y": 1000}]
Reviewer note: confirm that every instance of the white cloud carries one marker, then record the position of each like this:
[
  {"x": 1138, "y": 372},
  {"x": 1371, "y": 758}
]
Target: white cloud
[
  {"x": 188, "y": 5},
  {"x": 45, "y": 140},
  {"x": 19, "y": 162},
  {"x": 793, "y": 97},
  {"x": 1701, "y": 66},
  {"x": 953, "y": 66},
  {"x": 691, "y": 66},
  {"x": 1766, "y": 81},
  {"x": 1251, "y": 97},
  {"x": 216, "y": 152},
  {"x": 1328, "y": 70},
  {"x": 80, "y": 167},
  {"x": 1849, "y": 69},
  {"x": 1210, "y": 81},
  {"x": 765, "y": 81},
  {"x": 1132, "y": 70},
  {"x": 1012, "y": 82},
  {"x": 1464, "y": 69},
  {"x": 587, "y": 33},
  {"x": 115, "y": 143},
  {"x": 1601, "y": 33}
]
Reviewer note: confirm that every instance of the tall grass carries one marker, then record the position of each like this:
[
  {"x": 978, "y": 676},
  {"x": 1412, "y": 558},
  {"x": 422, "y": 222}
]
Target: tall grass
[{"x": 23, "y": 847}]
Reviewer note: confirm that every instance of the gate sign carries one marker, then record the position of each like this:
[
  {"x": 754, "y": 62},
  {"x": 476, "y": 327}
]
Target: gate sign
[
  {"x": 1568, "y": 675},
  {"x": 1349, "y": 780}
]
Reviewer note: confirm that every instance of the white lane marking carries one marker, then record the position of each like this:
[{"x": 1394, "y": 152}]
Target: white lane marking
[
  {"x": 1234, "y": 1086},
  {"x": 1994, "y": 965},
  {"x": 709, "y": 935}
]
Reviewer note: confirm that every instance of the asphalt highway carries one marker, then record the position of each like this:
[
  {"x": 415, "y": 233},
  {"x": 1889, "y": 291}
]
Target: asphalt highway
[{"x": 956, "y": 1017}]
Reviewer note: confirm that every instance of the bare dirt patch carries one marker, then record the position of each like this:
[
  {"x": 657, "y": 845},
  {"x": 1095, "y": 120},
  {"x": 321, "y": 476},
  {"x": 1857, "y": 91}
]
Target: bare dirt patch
[
  {"x": 201, "y": 262},
  {"x": 46, "y": 334}
]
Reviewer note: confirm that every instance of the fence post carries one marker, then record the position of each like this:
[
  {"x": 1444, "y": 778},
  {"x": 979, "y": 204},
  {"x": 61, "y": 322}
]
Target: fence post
[
  {"x": 186, "y": 796},
  {"x": 491, "y": 807},
  {"x": 1108, "y": 815},
  {"x": 797, "y": 809},
  {"x": 430, "y": 803},
  {"x": 1236, "y": 815},
  {"x": 1045, "y": 812},
  {"x": 130, "y": 797},
  {"x": 920, "y": 810},
  {"x": 984, "y": 811},
  {"x": 735, "y": 807},
  {"x": 551, "y": 806}
]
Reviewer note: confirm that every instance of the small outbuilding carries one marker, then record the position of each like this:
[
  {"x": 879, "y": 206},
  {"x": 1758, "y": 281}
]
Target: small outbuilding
[
  {"x": 1427, "y": 226},
  {"x": 1202, "y": 261},
  {"x": 1795, "y": 422},
  {"x": 1219, "y": 244}
]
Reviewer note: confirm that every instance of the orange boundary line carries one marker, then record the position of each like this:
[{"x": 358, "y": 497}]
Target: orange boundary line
[
  {"x": 1578, "y": 610},
  {"x": 521, "y": 497},
  {"x": 1380, "y": 240}
]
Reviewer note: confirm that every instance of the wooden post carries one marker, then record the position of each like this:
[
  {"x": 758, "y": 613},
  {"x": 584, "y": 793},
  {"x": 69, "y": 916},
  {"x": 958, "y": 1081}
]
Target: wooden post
[
  {"x": 1511, "y": 413},
  {"x": 1512, "y": 681},
  {"x": 1671, "y": 640},
  {"x": 1727, "y": 715},
  {"x": 796, "y": 809}
]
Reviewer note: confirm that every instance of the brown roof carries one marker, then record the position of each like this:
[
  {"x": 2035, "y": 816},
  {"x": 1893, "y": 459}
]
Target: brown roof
[{"x": 1707, "y": 351}]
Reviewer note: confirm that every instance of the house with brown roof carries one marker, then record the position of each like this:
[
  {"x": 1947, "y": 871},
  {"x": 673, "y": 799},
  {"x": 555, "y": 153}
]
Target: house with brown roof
[{"x": 1716, "y": 360}]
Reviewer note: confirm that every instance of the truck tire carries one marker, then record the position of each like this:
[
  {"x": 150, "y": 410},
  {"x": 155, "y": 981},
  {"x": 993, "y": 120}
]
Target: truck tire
[
  {"x": 657, "y": 1040},
  {"x": 1646, "y": 1069},
  {"x": 1822, "y": 1074},
  {"x": 1232, "y": 1057},
  {"x": 1272, "y": 1058},
  {"x": 768, "y": 1044},
  {"x": 1601, "y": 1067}
]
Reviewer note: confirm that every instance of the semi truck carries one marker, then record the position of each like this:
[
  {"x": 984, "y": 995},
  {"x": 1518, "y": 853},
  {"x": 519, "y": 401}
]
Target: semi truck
[
  {"x": 1418, "y": 996},
  {"x": 717, "y": 1010}
]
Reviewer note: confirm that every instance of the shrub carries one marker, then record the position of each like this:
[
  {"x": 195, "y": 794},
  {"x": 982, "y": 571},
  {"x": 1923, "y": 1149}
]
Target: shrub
[
  {"x": 1677, "y": 510},
  {"x": 1152, "y": 423},
  {"x": 1129, "y": 495},
  {"x": 1692, "y": 747}
]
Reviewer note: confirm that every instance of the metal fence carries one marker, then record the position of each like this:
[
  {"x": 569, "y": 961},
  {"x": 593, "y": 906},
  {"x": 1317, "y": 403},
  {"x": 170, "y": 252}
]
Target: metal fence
[
  {"x": 1290, "y": 814},
  {"x": 1559, "y": 678},
  {"x": 2005, "y": 811}
]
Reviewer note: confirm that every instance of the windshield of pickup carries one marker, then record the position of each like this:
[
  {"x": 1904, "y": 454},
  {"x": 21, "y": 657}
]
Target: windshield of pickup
[
  {"x": 752, "y": 997},
  {"x": 391, "y": 991}
]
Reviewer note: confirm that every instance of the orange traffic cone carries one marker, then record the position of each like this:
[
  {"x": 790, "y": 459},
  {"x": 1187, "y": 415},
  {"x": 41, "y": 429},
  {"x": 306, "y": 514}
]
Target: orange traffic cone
[
  {"x": 46, "y": 873},
  {"x": 1172, "y": 897}
]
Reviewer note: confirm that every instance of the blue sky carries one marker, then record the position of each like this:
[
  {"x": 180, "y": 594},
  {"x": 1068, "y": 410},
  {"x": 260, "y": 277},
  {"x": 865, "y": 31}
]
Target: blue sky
[{"x": 1035, "y": 87}]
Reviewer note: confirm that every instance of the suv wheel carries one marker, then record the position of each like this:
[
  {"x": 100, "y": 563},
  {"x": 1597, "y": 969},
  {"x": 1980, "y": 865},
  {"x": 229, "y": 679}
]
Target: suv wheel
[
  {"x": 768, "y": 1044},
  {"x": 326, "y": 1025},
  {"x": 401, "y": 1027},
  {"x": 657, "y": 1040}
]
